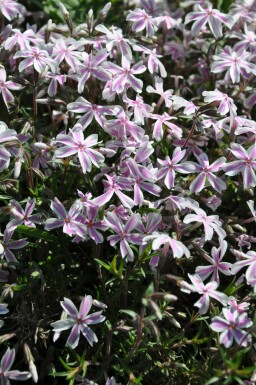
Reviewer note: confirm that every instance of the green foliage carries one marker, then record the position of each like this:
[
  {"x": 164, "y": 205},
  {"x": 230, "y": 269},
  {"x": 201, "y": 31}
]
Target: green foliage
[
  {"x": 224, "y": 5},
  {"x": 79, "y": 9}
]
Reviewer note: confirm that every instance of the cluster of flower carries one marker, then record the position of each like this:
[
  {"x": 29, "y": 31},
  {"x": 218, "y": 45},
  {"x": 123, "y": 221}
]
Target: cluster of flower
[{"x": 145, "y": 146}]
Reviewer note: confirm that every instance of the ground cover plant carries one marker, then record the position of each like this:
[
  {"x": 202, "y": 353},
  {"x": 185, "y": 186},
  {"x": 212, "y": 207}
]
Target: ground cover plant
[{"x": 127, "y": 177}]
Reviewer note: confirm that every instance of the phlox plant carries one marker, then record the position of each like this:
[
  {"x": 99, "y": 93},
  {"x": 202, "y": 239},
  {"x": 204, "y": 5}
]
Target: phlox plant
[{"x": 127, "y": 183}]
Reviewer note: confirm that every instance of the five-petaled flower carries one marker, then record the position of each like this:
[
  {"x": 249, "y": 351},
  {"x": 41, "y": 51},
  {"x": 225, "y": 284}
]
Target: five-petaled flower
[
  {"x": 5, "y": 86},
  {"x": 213, "y": 17},
  {"x": 207, "y": 291},
  {"x": 231, "y": 327},
  {"x": 6, "y": 374},
  {"x": 246, "y": 164},
  {"x": 75, "y": 144},
  {"x": 79, "y": 321},
  {"x": 216, "y": 264}
]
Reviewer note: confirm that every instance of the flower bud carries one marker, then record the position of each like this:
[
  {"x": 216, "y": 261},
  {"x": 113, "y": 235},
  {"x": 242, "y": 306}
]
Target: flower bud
[{"x": 64, "y": 10}]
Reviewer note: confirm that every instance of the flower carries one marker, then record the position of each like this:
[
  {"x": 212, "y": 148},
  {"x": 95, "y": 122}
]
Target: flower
[
  {"x": 206, "y": 172},
  {"x": 115, "y": 38},
  {"x": 5, "y": 86},
  {"x": 141, "y": 20},
  {"x": 10, "y": 9},
  {"x": 154, "y": 64},
  {"x": 246, "y": 164},
  {"x": 179, "y": 102},
  {"x": 6, "y": 374},
  {"x": 74, "y": 143},
  {"x": 169, "y": 166},
  {"x": 235, "y": 61},
  {"x": 162, "y": 120},
  {"x": 123, "y": 77},
  {"x": 216, "y": 264},
  {"x": 9, "y": 245},
  {"x": 248, "y": 259},
  {"x": 224, "y": 102},
  {"x": 213, "y": 17},
  {"x": 124, "y": 233},
  {"x": 177, "y": 247},
  {"x": 231, "y": 327},
  {"x": 35, "y": 57},
  {"x": 63, "y": 51},
  {"x": 90, "y": 66},
  {"x": 207, "y": 291},
  {"x": 90, "y": 111},
  {"x": 79, "y": 321},
  {"x": 71, "y": 221},
  {"x": 211, "y": 223},
  {"x": 23, "y": 216},
  {"x": 159, "y": 90}
]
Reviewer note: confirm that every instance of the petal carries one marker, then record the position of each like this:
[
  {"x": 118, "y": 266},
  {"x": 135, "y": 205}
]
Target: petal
[{"x": 85, "y": 306}]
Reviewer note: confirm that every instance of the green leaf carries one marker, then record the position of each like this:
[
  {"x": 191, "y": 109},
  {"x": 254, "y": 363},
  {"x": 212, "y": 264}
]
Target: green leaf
[
  {"x": 224, "y": 5},
  {"x": 103, "y": 264},
  {"x": 212, "y": 380},
  {"x": 36, "y": 233},
  {"x": 131, "y": 313}
]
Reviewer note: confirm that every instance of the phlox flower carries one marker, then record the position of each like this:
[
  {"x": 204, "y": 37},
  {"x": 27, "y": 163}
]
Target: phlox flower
[
  {"x": 5, "y": 86},
  {"x": 22, "y": 39},
  {"x": 68, "y": 52},
  {"x": 123, "y": 77},
  {"x": 178, "y": 102},
  {"x": 124, "y": 234},
  {"x": 170, "y": 166},
  {"x": 154, "y": 64},
  {"x": 143, "y": 178},
  {"x": 71, "y": 221},
  {"x": 207, "y": 291},
  {"x": 123, "y": 127},
  {"x": 216, "y": 264},
  {"x": 115, "y": 38},
  {"x": 231, "y": 328},
  {"x": 239, "y": 307},
  {"x": 10, "y": 9},
  {"x": 21, "y": 216},
  {"x": 6, "y": 374},
  {"x": 115, "y": 185},
  {"x": 55, "y": 80},
  {"x": 161, "y": 120},
  {"x": 225, "y": 103},
  {"x": 79, "y": 321},
  {"x": 246, "y": 164},
  {"x": 212, "y": 17},
  {"x": 35, "y": 57},
  {"x": 249, "y": 260},
  {"x": 8, "y": 245},
  {"x": 211, "y": 223},
  {"x": 206, "y": 172},
  {"x": 6, "y": 135},
  {"x": 177, "y": 247},
  {"x": 90, "y": 111},
  {"x": 94, "y": 224},
  {"x": 141, "y": 110},
  {"x": 90, "y": 66},
  {"x": 76, "y": 144},
  {"x": 159, "y": 90},
  {"x": 235, "y": 61},
  {"x": 141, "y": 20}
]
